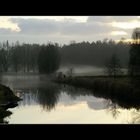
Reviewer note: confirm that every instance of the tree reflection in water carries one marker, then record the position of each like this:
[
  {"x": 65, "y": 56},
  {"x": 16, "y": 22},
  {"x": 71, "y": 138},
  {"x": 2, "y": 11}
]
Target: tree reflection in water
[
  {"x": 112, "y": 108},
  {"x": 135, "y": 117},
  {"x": 75, "y": 92},
  {"x": 48, "y": 97}
]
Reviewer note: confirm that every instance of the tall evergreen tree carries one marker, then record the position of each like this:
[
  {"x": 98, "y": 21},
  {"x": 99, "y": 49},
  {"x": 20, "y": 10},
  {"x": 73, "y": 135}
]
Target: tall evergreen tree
[
  {"x": 48, "y": 59},
  {"x": 134, "y": 60}
]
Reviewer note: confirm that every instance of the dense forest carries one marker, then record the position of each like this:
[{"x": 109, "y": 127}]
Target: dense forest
[
  {"x": 25, "y": 57},
  {"x": 95, "y": 53}
]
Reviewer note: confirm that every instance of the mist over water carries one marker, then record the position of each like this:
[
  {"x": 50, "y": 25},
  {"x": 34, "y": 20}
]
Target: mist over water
[
  {"x": 86, "y": 70},
  {"x": 45, "y": 102}
]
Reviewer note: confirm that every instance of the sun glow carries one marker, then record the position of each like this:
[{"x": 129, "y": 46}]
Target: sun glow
[
  {"x": 129, "y": 41},
  {"x": 126, "y": 25},
  {"x": 115, "y": 33}
]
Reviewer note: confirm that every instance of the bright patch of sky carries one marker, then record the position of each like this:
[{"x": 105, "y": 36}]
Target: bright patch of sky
[
  {"x": 6, "y": 23},
  {"x": 115, "y": 33}
]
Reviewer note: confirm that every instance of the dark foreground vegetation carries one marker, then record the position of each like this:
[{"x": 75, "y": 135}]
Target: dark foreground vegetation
[
  {"x": 7, "y": 100},
  {"x": 123, "y": 89}
]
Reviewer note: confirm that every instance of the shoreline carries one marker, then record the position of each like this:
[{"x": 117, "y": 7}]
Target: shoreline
[
  {"x": 6, "y": 96},
  {"x": 121, "y": 89}
]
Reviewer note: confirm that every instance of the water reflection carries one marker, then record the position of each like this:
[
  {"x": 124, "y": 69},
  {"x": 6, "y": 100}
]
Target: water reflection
[
  {"x": 113, "y": 108},
  {"x": 48, "y": 97},
  {"x": 135, "y": 119},
  {"x": 3, "y": 114},
  {"x": 59, "y": 100}
]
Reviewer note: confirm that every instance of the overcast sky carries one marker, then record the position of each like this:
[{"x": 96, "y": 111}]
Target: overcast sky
[{"x": 63, "y": 29}]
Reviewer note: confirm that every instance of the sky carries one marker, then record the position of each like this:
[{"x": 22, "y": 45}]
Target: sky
[{"x": 64, "y": 29}]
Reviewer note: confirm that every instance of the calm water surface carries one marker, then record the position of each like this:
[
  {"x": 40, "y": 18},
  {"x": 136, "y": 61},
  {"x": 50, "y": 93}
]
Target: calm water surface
[{"x": 49, "y": 103}]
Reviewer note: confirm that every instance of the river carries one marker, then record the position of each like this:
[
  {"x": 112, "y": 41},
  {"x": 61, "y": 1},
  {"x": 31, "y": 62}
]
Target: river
[{"x": 45, "y": 102}]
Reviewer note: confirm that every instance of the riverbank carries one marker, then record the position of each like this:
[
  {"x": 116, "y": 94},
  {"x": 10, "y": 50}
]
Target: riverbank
[
  {"x": 122, "y": 89},
  {"x": 6, "y": 95}
]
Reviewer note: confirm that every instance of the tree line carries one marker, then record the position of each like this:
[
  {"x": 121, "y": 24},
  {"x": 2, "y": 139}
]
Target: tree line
[
  {"x": 113, "y": 67},
  {"x": 48, "y": 57},
  {"x": 95, "y": 53},
  {"x": 29, "y": 57}
]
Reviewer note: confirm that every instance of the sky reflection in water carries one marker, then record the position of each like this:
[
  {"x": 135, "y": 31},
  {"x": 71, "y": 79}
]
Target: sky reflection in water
[{"x": 45, "y": 103}]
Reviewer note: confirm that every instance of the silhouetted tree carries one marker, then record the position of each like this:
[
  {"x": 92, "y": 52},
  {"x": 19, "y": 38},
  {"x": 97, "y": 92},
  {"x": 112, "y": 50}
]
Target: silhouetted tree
[
  {"x": 24, "y": 57},
  {"x": 49, "y": 59},
  {"x": 134, "y": 60},
  {"x": 15, "y": 58},
  {"x": 113, "y": 67},
  {"x": 4, "y": 60}
]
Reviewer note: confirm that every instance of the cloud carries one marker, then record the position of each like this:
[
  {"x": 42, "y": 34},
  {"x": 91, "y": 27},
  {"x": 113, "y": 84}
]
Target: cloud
[
  {"x": 55, "y": 18},
  {"x": 122, "y": 22},
  {"x": 6, "y": 23},
  {"x": 120, "y": 26},
  {"x": 108, "y": 19},
  {"x": 99, "y": 18},
  {"x": 63, "y": 29},
  {"x": 38, "y": 26},
  {"x": 126, "y": 25}
]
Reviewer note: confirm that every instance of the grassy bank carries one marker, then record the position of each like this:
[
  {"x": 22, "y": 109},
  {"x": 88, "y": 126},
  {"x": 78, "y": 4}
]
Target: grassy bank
[
  {"x": 6, "y": 95},
  {"x": 121, "y": 89}
]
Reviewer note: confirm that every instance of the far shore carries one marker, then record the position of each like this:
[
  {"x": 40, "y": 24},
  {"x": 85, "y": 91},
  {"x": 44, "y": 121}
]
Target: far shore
[{"x": 121, "y": 88}]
